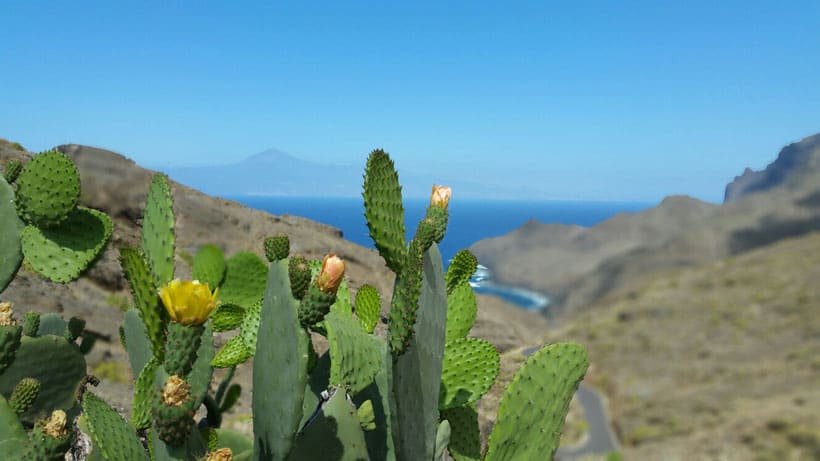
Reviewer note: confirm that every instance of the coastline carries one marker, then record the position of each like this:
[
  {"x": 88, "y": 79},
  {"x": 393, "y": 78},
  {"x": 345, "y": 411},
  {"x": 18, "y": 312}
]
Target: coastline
[{"x": 523, "y": 298}]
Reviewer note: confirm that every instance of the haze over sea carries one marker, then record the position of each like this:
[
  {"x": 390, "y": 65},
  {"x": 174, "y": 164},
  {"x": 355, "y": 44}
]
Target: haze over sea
[{"x": 470, "y": 220}]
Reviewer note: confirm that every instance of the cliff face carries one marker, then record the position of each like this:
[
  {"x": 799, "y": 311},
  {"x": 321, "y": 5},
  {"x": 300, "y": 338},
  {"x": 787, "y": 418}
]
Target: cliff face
[
  {"x": 790, "y": 166},
  {"x": 578, "y": 266}
]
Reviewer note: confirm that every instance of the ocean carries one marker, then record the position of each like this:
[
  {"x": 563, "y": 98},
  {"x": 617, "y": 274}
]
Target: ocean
[{"x": 470, "y": 221}]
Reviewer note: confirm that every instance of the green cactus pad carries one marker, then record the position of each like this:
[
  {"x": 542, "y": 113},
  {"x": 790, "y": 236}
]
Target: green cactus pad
[
  {"x": 465, "y": 436},
  {"x": 12, "y": 170},
  {"x": 48, "y": 189},
  {"x": 442, "y": 440},
  {"x": 52, "y": 324},
  {"x": 300, "y": 273},
  {"x": 232, "y": 353},
  {"x": 462, "y": 267},
  {"x": 154, "y": 316},
  {"x": 43, "y": 447},
  {"x": 158, "y": 238},
  {"x": 10, "y": 337},
  {"x": 425, "y": 233},
  {"x": 181, "y": 345},
  {"x": 461, "y": 311},
  {"x": 113, "y": 437},
  {"x": 368, "y": 307},
  {"x": 144, "y": 395},
  {"x": 417, "y": 372},
  {"x": 384, "y": 210},
  {"x": 279, "y": 386},
  {"x": 11, "y": 430},
  {"x": 343, "y": 304},
  {"x": 209, "y": 265},
  {"x": 354, "y": 354},
  {"x": 469, "y": 370},
  {"x": 136, "y": 341},
  {"x": 379, "y": 393},
  {"x": 74, "y": 328},
  {"x": 244, "y": 281},
  {"x": 11, "y": 253},
  {"x": 405, "y": 301},
  {"x": 335, "y": 434},
  {"x": 535, "y": 404},
  {"x": 31, "y": 323},
  {"x": 439, "y": 216},
  {"x": 227, "y": 317},
  {"x": 277, "y": 247},
  {"x": 367, "y": 417},
  {"x": 63, "y": 252},
  {"x": 58, "y": 365},
  {"x": 24, "y": 394},
  {"x": 249, "y": 329}
]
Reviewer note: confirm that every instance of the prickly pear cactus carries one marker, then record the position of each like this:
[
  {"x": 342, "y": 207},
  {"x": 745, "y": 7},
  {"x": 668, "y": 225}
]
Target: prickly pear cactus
[
  {"x": 11, "y": 254},
  {"x": 469, "y": 370},
  {"x": 535, "y": 404},
  {"x": 209, "y": 265},
  {"x": 158, "y": 237},
  {"x": 461, "y": 268},
  {"x": 465, "y": 436},
  {"x": 48, "y": 189},
  {"x": 277, "y": 247},
  {"x": 112, "y": 435},
  {"x": 244, "y": 282},
  {"x": 12, "y": 170},
  {"x": 383, "y": 208},
  {"x": 137, "y": 271},
  {"x": 24, "y": 394},
  {"x": 334, "y": 434},
  {"x": 354, "y": 354},
  {"x": 368, "y": 306}
]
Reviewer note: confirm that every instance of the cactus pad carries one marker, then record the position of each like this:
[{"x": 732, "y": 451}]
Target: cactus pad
[
  {"x": 181, "y": 345},
  {"x": 155, "y": 318},
  {"x": 31, "y": 323},
  {"x": 535, "y": 404},
  {"x": 136, "y": 341},
  {"x": 232, "y": 353},
  {"x": 12, "y": 434},
  {"x": 62, "y": 253},
  {"x": 465, "y": 436},
  {"x": 461, "y": 311},
  {"x": 11, "y": 253},
  {"x": 12, "y": 170},
  {"x": 462, "y": 267},
  {"x": 383, "y": 209},
  {"x": 58, "y": 365},
  {"x": 10, "y": 336},
  {"x": 335, "y": 434},
  {"x": 469, "y": 370},
  {"x": 114, "y": 437},
  {"x": 442, "y": 440},
  {"x": 48, "y": 189},
  {"x": 354, "y": 354},
  {"x": 368, "y": 307},
  {"x": 277, "y": 247},
  {"x": 249, "y": 329},
  {"x": 144, "y": 395},
  {"x": 158, "y": 236},
  {"x": 209, "y": 265},
  {"x": 299, "y": 273},
  {"x": 227, "y": 317},
  {"x": 244, "y": 281}
]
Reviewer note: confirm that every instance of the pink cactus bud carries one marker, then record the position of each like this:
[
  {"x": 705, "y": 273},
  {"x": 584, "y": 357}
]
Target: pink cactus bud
[{"x": 333, "y": 269}]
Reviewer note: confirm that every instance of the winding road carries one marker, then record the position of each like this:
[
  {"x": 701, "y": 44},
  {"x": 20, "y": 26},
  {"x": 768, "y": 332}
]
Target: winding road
[{"x": 601, "y": 438}]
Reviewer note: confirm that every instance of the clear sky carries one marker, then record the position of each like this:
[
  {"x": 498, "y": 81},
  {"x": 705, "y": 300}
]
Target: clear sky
[{"x": 610, "y": 100}]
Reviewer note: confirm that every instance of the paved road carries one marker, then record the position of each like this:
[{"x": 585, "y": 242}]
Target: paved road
[{"x": 601, "y": 439}]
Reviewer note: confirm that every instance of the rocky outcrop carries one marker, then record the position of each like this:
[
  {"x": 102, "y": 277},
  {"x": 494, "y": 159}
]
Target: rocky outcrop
[{"x": 791, "y": 164}]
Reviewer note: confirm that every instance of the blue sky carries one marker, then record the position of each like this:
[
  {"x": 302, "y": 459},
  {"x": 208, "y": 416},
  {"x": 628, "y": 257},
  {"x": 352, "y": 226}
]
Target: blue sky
[{"x": 579, "y": 100}]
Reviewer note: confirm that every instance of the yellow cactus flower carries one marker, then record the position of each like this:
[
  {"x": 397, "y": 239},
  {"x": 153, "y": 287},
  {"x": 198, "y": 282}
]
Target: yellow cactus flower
[
  {"x": 222, "y": 454},
  {"x": 440, "y": 196},
  {"x": 330, "y": 277},
  {"x": 188, "y": 302}
]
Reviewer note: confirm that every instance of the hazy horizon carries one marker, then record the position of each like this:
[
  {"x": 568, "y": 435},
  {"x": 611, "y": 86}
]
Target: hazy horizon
[{"x": 589, "y": 100}]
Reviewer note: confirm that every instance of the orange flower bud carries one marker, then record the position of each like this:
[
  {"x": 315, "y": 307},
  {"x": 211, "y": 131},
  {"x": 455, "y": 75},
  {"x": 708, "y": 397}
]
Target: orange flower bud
[
  {"x": 440, "y": 196},
  {"x": 333, "y": 269}
]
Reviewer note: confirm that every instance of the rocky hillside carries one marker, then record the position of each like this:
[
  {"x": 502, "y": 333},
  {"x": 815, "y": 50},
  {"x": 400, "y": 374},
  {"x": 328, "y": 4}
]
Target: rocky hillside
[
  {"x": 578, "y": 266},
  {"x": 118, "y": 186},
  {"x": 720, "y": 361}
]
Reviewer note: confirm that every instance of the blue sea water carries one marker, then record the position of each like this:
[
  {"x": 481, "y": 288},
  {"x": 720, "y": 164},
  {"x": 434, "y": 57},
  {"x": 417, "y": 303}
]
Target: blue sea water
[{"x": 470, "y": 221}]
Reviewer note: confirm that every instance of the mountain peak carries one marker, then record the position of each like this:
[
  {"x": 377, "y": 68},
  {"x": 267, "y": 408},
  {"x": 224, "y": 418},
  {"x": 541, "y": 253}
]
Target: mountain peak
[{"x": 272, "y": 155}]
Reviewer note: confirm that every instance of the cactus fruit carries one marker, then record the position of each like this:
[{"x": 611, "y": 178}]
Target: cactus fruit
[
  {"x": 383, "y": 209},
  {"x": 63, "y": 252},
  {"x": 111, "y": 434},
  {"x": 174, "y": 411},
  {"x": 31, "y": 323},
  {"x": 277, "y": 247},
  {"x": 244, "y": 281},
  {"x": 209, "y": 265},
  {"x": 158, "y": 238},
  {"x": 48, "y": 189},
  {"x": 11, "y": 253},
  {"x": 24, "y": 394},
  {"x": 12, "y": 170},
  {"x": 534, "y": 405},
  {"x": 299, "y": 273},
  {"x": 368, "y": 307},
  {"x": 315, "y": 306}
]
